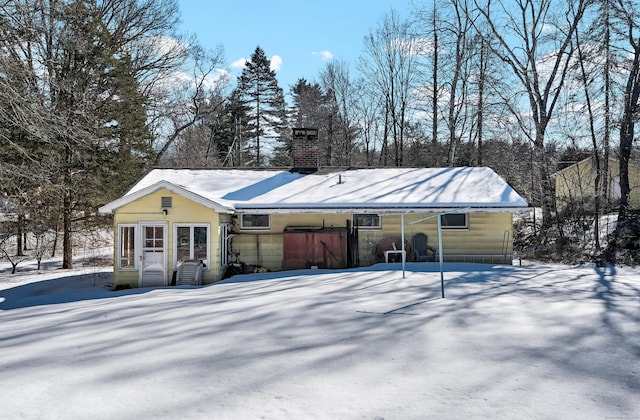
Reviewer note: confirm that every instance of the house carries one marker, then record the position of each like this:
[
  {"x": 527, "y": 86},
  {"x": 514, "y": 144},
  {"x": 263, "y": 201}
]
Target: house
[
  {"x": 304, "y": 217},
  {"x": 575, "y": 183}
]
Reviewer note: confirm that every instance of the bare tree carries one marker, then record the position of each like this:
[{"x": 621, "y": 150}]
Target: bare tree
[
  {"x": 428, "y": 25},
  {"x": 534, "y": 40},
  {"x": 629, "y": 15},
  {"x": 186, "y": 100},
  {"x": 337, "y": 82},
  {"x": 594, "y": 140},
  {"x": 367, "y": 108},
  {"x": 389, "y": 64},
  {"x": 460, "y": 33}
]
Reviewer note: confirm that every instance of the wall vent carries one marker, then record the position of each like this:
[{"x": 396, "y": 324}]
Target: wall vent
[{"x": 165, "y": 202}]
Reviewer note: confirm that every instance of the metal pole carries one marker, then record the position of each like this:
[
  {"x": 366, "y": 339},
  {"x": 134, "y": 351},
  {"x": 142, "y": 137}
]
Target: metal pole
[
  {"x": 439, "y": 216},
  {"x": 440, "y": 254},
  {"x": 403, "y": 250}
]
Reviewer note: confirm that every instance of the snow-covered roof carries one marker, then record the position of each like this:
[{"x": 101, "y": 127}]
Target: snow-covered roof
[
  {"x": 214, "y": 188},
  {"x": 377, "y": 189}
]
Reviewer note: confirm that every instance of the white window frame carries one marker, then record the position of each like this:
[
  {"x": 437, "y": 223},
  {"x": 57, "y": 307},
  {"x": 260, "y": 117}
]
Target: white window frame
[
  {"x": 456, "y": 227},
  {"x": 376, "y": 227},
  {"x": 243, "y": 227},
  {"x": 136, "y": 247},
  {"x": 191, "y": 226}
]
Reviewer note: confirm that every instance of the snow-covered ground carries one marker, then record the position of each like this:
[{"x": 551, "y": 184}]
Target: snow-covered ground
[{"x": 536, "y": 341}]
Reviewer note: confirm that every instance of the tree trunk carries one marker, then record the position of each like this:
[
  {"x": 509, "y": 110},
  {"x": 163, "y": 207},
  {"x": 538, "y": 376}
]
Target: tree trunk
[
  {"x": 20, "y": 236},
  {"x": 607, "y": 107},
  {"x": 597, "y": 199},
  {"x": 480, "y": 120},
  {"x": 434, "y": 99},
  {"x": 67, "y": 245},
  {"x": 544, "y": 180},
  {"x": 627, "y": 127}
]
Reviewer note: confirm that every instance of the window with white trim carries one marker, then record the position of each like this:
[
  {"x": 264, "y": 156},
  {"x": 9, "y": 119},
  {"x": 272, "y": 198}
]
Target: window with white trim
[
  {"x": 455, "y": 221},
  {"x": 191, "y": 243},
  {"x": 367, "y": 221},
  {"x": 127, "y": 247},
  {"x": 254, "y": 221}
]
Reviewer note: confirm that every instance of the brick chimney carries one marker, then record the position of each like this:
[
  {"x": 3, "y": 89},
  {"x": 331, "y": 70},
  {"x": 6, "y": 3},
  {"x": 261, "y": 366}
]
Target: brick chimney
[{"x": 304, "y": 150}]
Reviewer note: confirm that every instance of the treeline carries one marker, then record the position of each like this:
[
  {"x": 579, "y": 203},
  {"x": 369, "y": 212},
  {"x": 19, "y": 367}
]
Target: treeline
[
  {"x": 91, "y": 94},
  {"x": 95, "y": 92},
  {"x": 522, "y": 87}
]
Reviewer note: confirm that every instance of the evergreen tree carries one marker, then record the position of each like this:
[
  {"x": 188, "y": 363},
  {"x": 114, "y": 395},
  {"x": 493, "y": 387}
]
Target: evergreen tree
[
  {"x": 76, "y": 116},
  {"x": 309, "y": 104},
  {"x": 259, "y": 110},
  {"x": 311, "y": 109}
]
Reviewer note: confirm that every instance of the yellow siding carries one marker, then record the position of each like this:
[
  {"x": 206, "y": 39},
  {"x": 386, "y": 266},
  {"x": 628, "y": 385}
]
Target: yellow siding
[
  {"x": 265, "y": 247},
  {"x": 576, "y": 182},
  {"x": 488, "y": 234},
  {"x": 634, "y": 182},
  {"x": 183, "y": 210}
]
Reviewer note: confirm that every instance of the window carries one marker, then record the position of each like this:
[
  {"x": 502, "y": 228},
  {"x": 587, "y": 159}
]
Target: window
[
  {"x": 367, "y": 221},
  {"x": 192, "y": 243},
  {"x": 455, "y": 221},
  {"x": 127, "y": 247},
  {"x": 153, "y": 237},
  {"x": 254, "y": 221}
]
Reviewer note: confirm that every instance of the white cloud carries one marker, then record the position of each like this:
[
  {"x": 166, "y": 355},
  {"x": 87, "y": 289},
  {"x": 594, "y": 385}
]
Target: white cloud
[
  {"x": 167, "y": 44},
  {"x": 240, "y": 63},
  {"x": 325, "y": 55},
  {"x": 276, "y": 62}
]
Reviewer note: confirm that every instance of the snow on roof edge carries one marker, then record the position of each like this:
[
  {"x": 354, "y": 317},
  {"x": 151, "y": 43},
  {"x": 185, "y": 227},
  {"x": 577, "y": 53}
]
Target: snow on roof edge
[
  {"x": 380, "y": 209},
  {"x": 130, "y": 197}
]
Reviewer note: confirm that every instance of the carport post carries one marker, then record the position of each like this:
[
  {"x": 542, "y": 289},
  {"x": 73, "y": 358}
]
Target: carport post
[
  {"x": 404, "y": 257},
  {"x": 440, "y": 253}
]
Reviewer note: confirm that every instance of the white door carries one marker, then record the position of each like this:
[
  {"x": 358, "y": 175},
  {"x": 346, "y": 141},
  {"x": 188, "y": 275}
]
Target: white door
[{"x": 153, "y": 270}]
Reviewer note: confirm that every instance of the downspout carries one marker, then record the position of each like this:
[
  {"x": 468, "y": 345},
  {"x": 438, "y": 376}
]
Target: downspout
[{"x": 259, "y": 259}]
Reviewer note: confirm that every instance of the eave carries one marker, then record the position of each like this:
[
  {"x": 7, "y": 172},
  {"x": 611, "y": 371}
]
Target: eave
[{"x": 375, "y": 209}]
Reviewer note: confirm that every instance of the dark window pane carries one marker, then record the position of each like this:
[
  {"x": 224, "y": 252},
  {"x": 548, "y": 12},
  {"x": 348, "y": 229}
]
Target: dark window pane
[
  {"x": 200, "y": 243},
  {"x": 184, "y": 244},
  {"x": 255, "y": 220},
  {"x": 454, "y": 220},
  {"x": 366, "y": 220}
]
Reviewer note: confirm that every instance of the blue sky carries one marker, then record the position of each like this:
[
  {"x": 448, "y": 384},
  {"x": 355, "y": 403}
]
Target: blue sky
[{"x": 301, "y": 33}]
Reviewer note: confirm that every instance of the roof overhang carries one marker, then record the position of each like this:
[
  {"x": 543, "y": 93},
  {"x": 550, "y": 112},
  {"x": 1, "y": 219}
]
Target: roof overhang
[
  {"x": 372, "y": 209},
  {"x": 129, "y": 198}
]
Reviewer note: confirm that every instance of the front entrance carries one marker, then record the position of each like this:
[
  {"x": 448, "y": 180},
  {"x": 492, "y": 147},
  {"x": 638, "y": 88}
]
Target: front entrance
[{"x": 153, "y": 270}]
